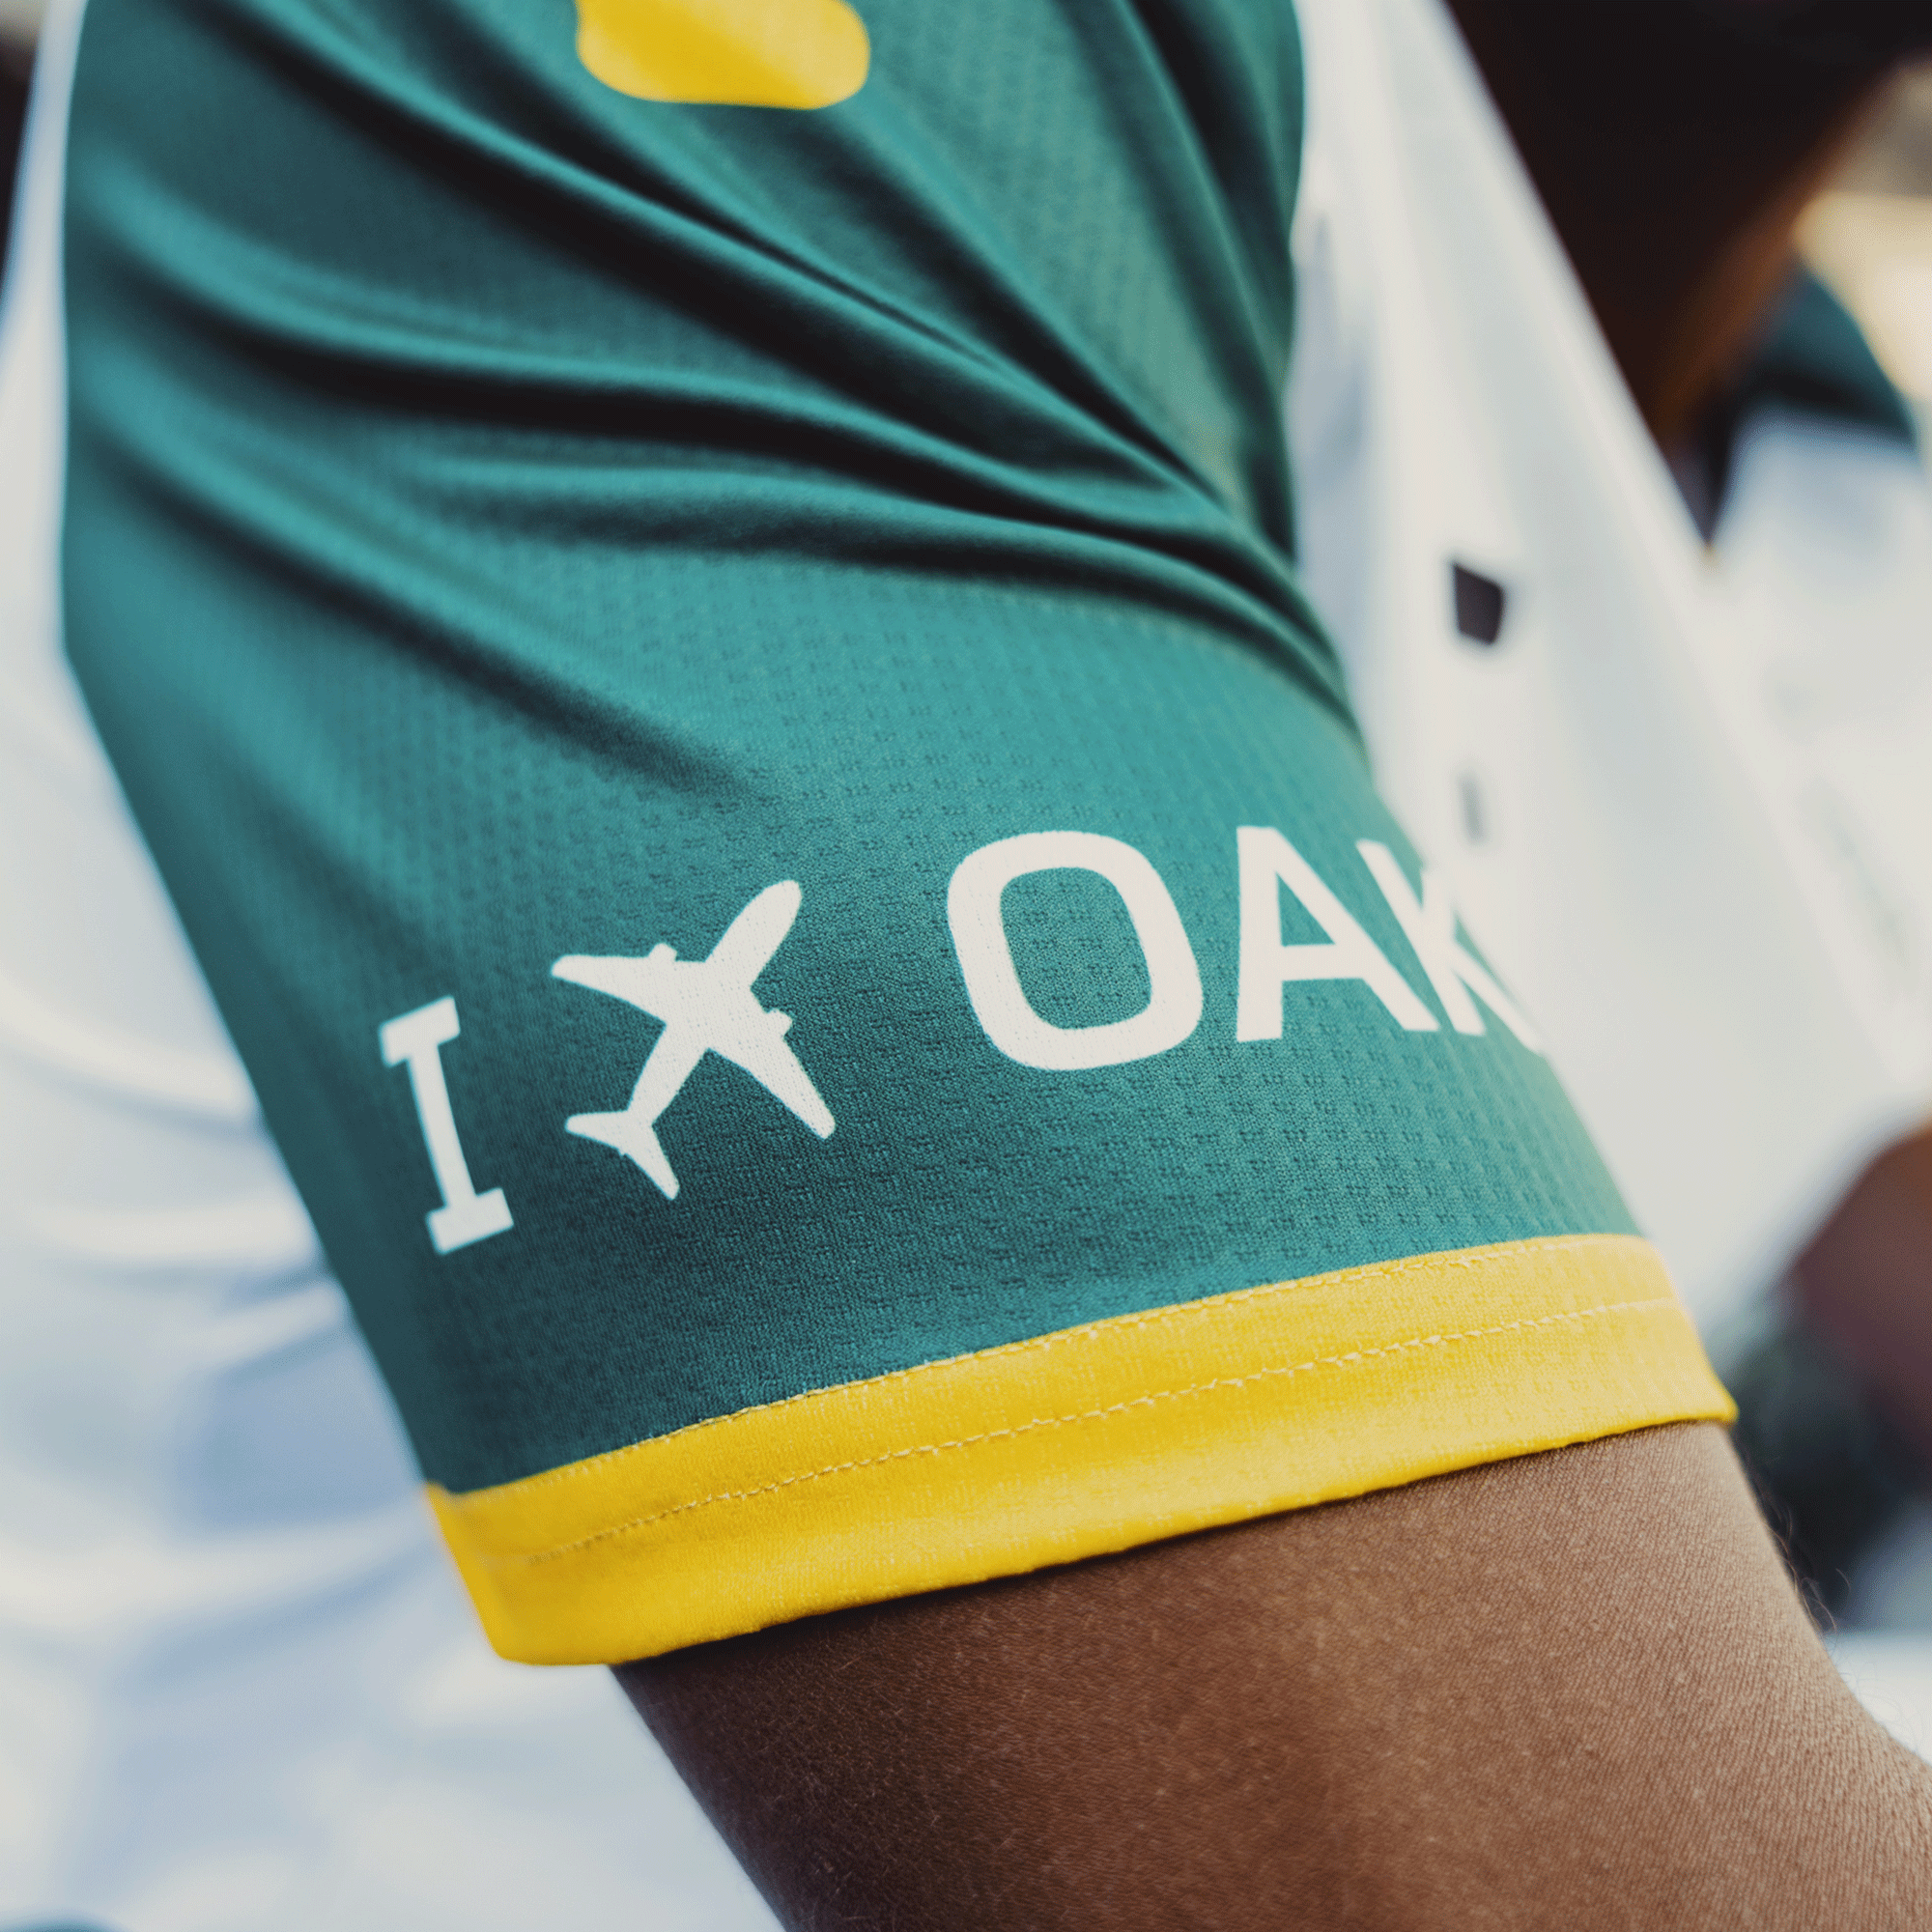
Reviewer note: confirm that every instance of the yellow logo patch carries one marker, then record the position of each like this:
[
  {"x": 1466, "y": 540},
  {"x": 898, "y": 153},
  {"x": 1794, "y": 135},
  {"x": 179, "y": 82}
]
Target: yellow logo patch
[{"x": 725, "y": 53}]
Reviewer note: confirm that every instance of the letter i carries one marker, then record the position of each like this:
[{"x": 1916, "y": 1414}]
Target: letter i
[{"x": 415, "y": 1040}]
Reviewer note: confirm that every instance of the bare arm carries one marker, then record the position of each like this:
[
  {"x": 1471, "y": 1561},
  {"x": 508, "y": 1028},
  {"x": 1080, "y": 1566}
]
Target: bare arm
[{"x": 1575, "y": 1688}]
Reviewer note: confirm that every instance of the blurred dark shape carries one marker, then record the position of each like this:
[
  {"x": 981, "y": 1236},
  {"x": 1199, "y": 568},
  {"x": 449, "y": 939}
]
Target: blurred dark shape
[
  {"x": 1674, "y": 145},
  {"x": 17, "y": 67},
  {"x": 1475, "y": 809},
  {"x": 1479, "y": 605},
  {"x": 1848, "y": 33},
  {"x": 1832, "y": 1474}
]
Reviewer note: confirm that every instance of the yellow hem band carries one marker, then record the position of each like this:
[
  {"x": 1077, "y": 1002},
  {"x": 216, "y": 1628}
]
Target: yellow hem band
[{"x": 1080, "y": 1444}]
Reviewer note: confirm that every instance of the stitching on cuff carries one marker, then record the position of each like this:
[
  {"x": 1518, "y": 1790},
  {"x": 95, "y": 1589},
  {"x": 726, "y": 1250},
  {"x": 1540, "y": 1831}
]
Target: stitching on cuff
[
  {"x": 1202, "y": 1309},
  {"x": 1353, "y": 1358}
]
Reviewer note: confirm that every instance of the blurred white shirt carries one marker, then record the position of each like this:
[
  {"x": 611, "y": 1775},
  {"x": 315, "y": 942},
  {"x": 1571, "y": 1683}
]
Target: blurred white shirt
[{"x": 241, "y": 1690}]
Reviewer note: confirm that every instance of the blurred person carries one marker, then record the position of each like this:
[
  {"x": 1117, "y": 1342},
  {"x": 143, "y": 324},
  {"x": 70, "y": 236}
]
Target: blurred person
[
  {"x": 786, "y": 1767},
  {"x": 1674, "y": 148}
]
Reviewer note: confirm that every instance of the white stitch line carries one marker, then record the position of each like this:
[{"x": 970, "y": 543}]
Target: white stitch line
[
  {"x": 1062, "y": 1421},
  {"x": 1198, "y": 1311}
]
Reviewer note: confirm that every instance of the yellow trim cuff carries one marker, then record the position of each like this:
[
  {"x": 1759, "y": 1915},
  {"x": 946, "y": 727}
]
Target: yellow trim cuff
[{"x": 1079, "y": 1443}]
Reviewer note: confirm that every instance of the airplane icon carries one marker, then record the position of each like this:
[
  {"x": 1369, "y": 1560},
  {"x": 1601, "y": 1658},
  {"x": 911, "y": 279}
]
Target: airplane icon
[{"x": 707, "y": 1005}]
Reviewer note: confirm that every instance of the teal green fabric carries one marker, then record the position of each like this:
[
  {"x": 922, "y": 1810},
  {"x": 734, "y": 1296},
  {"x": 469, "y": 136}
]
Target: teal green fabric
[
  {"x": 509, "y": 520},
  {"x": 1815, "y": 357}
]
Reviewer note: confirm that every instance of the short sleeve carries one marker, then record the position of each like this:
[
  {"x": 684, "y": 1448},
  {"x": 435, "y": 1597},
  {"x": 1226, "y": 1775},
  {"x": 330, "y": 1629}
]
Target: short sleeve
[{"x": 701, "y": 622}]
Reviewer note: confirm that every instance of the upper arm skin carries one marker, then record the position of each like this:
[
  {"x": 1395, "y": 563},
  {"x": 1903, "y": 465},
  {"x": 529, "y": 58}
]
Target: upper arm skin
[{"x": 1573, "y": 1689}]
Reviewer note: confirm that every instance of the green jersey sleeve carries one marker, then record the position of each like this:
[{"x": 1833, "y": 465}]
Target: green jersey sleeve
[{"x": 696, "y": 602}]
